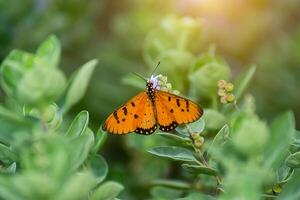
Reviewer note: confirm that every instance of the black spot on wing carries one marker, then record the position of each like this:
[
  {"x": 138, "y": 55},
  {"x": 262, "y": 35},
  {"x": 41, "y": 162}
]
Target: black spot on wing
[
  {"x": 124, "y": 110},
  {"x": 169, "y": 127},
  {"x": 187, "y": 105},
  {"x": 115, "y": 114},
  {"x": 178, "y": 102},
  {"x": 132, "y": 103},
  {"x": 135, "y": 116},
  {"x": 145, "y": 131}
]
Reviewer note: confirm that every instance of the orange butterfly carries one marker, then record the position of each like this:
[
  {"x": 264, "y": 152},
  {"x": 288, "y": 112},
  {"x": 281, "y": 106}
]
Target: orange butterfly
[{"x": 143, "y": 112}]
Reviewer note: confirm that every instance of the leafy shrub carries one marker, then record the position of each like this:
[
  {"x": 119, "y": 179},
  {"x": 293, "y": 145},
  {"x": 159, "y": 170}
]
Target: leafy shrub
[
  {"x": 42, "y": 156},
  {"x": 231, "y": 153}
]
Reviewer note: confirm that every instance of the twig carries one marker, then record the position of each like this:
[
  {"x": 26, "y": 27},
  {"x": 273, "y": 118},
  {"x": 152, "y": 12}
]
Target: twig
[
  {"x": 202, "y": 159},
  {"x": 43, "y": 121}
]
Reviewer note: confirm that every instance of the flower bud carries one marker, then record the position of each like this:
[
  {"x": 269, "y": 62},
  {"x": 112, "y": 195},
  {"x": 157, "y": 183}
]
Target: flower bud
[
  {"x": 223, "y": 99},
  {"x": 221, "y": 84},
  {"x": 199, "y": 142},
  {"x": 221, "y": 92},
  {"x": 230, "y": 98},
  {"x": 229, "y": 87}
]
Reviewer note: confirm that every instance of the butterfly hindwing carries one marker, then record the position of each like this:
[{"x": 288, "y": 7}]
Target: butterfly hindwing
[
  {"x": 136, "y": 115},
  {"x": 173, "y": 110},
  {"x": 146, "y": 123}
]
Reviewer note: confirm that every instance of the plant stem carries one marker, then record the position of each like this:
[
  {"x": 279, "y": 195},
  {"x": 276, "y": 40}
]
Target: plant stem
[
  {"x": 202, "y": 159},
  {"x": 214, "y": 101},
  {"x": 236, "y": 106},
  {"x": 43, "y": 121}
]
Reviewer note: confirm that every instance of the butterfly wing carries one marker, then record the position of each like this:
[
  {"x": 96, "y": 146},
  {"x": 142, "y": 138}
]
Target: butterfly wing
[
  {"x": 136, "y": 115},
  {"x": 172, "y": 110}
]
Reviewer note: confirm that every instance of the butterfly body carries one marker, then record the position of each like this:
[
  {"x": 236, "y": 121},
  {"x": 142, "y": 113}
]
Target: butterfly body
[{"x": 150, "y": 108}]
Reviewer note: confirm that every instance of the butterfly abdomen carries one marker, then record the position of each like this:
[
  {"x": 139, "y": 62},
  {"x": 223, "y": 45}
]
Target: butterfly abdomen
[{"x": 150, "y": 91}]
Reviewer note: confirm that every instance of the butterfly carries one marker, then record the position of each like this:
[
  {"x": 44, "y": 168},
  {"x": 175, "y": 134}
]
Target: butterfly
[{"x": 150, "y": 108}]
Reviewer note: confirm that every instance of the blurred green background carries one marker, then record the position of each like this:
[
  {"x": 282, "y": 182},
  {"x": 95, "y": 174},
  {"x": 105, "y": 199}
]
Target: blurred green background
[
  {"x": 265, "y": 33},
  {"x": 261, "y": 32}
]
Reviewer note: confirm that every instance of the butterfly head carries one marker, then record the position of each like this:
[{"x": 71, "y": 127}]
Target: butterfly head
[{"x": 153, "y": 82}]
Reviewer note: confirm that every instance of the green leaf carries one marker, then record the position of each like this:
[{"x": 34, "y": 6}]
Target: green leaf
[
  {"x": 291, "y": 189},
  {"x": 197, "y": 126},
  {"x": 98, "y": 166},
  {"x": 48, "y": 53},
  {"x": 282, "y": 129},
  {"x": 7, "y": 155},
  {"x": 11, "y": 116},
  {"x": 79, "y": 148},
  {"x": 171, "y": 184},
  {"x": 99, "y": 140},
  {"x": 77, "y": 187},
  {"x": 296, "y": 138},
  {"x": 79, "y": 124},
  {"x": 174, "y": 153},
  {"x": 284, "y": 174},
  {"x": 181, "y": 139},
  {"x": 79, "y": 84},
  {"x": 40, "y": 86},
  {"x": 13, "y": 68},
  {"x": 11, "y": 169},
  {"x": 293, "y": 160},
  {"x": 107, "y": 191},
  {"x": 197, "y": 169},
  {"x": 243, "y": 82},
  {"x": 221, "y": 137}
]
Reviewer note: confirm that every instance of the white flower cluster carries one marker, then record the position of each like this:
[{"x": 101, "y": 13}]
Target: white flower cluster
[{"x": 160, "y": 82}]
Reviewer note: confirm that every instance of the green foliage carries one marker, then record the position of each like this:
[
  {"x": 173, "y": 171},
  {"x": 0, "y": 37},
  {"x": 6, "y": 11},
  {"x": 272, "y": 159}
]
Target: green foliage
[
  {"x": 45, "y": 157},
  {"x": 240, "y": 150}
]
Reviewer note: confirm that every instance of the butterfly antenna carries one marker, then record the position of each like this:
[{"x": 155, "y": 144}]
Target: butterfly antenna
[
  {"x": 155, "y": 68},
  {"x": 140, "y": 76}
]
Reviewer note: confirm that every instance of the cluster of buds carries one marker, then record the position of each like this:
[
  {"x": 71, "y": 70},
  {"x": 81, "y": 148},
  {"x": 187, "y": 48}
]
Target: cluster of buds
[
  {"x": 198, "y": 140},
  {"x": 225, "y": 92},
  {"x": 164, "y": 85}
]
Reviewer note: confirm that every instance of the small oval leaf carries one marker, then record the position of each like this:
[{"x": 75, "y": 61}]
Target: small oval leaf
[
  {"x": 99, "y": 140},
  {"x": 48, "y": 53},
  {"x": 107, "y": 191},
  {"x": 243, "y": 81},
  {"x": 79, "y": 84},
  {"x": 174, "y": 153},
  {"x": 98, "y": 166},
  {"x": 79, "y": 124},
  {"x": 6, "y": 154},
  {"x": 293, "y": 160},
  {"x": 171, "y": 184},
  {"x": 178, "y": 138},
  {"x": 197, "y": 169},
  {"x": 79, "y": 148},
  {"x": 221, "y": 137}
]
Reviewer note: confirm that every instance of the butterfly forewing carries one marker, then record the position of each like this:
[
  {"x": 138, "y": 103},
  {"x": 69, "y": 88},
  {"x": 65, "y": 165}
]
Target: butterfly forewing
[
  {"x": 135, "y": 115},
  {"x": 173, "y": 110}
]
